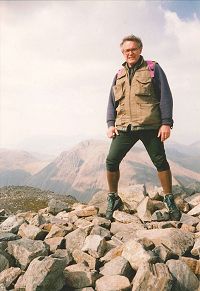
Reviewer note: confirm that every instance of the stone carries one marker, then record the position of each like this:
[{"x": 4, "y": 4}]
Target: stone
[
  {"x": 63, "y": 254},
  {"x": 55, "y": 243},
  {"x": 124, "y": 217},
  {"x": 187, "y": 228},
  {"x": 177, "y": 241},
  {"x": 154, "y": 194},
  {"x": 193, "y": 264},
  {"x": 25, "y": 250},
  {"x": 2, "y": 212},
  {"x": 43, "y": 273},
  {"x": 31, "y": 231},
  {"x": 128, "y": 227},
  {"x": 196, "y": 248},
  {"x": 113, "y": 253},
  {"x": 145, "y": 209},
  {"x": 185, "y": 278},
  {"x": 8, "y": 276},
  {"x": 101, "y": 221},
  {"x": 160, "y": 215},
  {"x": 82, "y": 257},
  {"x": 117, "y": 266},
  {"x": 195, "y": 211},
  {"x": 80, "y": 276},
  {"x": 164, "y": 253},
  {"x": 2, "y": 287},
  {"x": 190, "y": 220},
  {"x": 95, "y": 245},
  {"x": 85, "y": 289},
  {"x": 182, "y": 204},
  {"x": 103, "y": 232},
  {"x": 76, "y": 239},
  {"x": 8, "y": 236},
  {"x": 59, "y": 230},
  {"x": 4, "y": 263},
  {"x": 11, "y": 224},
  {"x": 113, "y": 283},
  {"x": 83, "y": 223},
  {"x": 152, "y": 277},
  {"x": 56, "y": 206},
  {"x": 84, "y": 211},
  {"x": 135, "y": 253},
  {"x": 193, "y": 200}
]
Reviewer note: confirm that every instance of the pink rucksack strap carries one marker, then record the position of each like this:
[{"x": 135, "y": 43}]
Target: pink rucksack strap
[{"x": 151, "y": 66}]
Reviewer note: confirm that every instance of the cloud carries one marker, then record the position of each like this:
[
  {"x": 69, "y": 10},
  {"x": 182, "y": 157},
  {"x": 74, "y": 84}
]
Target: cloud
[{"x": 58, "y": 59}]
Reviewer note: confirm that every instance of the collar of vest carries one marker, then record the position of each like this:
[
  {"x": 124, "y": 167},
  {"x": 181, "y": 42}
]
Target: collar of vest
[{"x": 136, "y": 66}]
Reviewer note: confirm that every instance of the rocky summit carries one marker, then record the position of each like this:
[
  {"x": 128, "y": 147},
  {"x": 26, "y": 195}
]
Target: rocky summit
[{"x": 73, "y": 247}]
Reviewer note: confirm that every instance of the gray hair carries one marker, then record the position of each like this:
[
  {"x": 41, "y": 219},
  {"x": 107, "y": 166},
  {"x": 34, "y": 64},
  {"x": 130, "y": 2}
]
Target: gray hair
[{"x": 132, "y": 38}]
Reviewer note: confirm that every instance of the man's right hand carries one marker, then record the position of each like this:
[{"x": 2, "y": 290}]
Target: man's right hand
[{"x": 112, "y": 132}]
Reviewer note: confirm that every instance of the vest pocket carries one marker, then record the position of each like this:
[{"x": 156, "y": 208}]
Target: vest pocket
[
  {"x": 118, "y": 92},
  {"x": 149, "y": 113},
  {"x": 143, "y": 87}
]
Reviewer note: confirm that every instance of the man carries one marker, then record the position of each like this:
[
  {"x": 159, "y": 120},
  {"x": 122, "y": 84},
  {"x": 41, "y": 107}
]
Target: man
[{"x": 139, "y": 108}]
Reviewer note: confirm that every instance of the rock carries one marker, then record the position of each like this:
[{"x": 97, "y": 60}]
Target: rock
[
  {"x": 113, "y": 283},
  {"x": 2, "y": 212},
  {"x": 193, "y": 264},
  {"x": 101, "y": 222},
  {"x": 8, "y": 276},
  {"x": 25, "y": 250},
  {"x": 95, "y": 245},
  {"x": 117, "y": 266},
  {"x": 2, "y": 287},
  {"x": 43, "y": 273},
  {"x": 190, "y": 220},
  {"x": 76, "y": 239},
  {"x": 8, "y": 236},
  {"x": 103, "y": 232},
  {"x": 59, "y": 230},
  {"x": 164, "y": 253},
  {"x": 31, "y": 231},
  {"x": 193, "y": 200},
  {"x": 196, "y": 248},
  {"x": 11, "y": 224},
  {"x": 182, "y": 204},
  {"x": 124, "y": 217},
  {"x": 128, "y": 227},
  {"x": 113, "y": 253},
  {"x": 185, "y": 278},
  {"x": 154, "y": 194},
  {"x": 176, "y": 240},
  {"x": 83, "y": 223},
  {"x": 152, "y": 277},
  {"x": 187, "y": 228},
  {"x": 85, "y": 289},
  {"x": 160, "y": 215},
  {"x": 56, "y": 206},
  {"x": 80, "y": 276},
  {"x": 63, "y": 254},
  {"x": 135, "y": 253},
  {"x": 132, "y": 196},
  {"x": 145, "y": 209},
  {"x": 4, "y": 263},
  {"x": 82, "y": 257},
  {"x": 195, "y": 211},
  {"x": 55, "y": 243},
  {"x": 84, "y": 210}
]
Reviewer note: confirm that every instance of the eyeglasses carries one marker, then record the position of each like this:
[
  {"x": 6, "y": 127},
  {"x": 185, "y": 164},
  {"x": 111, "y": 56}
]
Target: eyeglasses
[{"x": 133, "y": 50}]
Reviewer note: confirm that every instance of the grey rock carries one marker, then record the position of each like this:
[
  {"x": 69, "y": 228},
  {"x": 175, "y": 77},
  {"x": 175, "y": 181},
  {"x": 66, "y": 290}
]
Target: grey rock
[
  {"x": 193, "y": 200},
  {"x": 11, "y": 224},
  {"x": 4, "y": 263},
  {"x": 82, "y": 257},
  {"x": 25, "y": 250},
  {"x": 189, "y": 219},
  {"x": 8, "y": 236},
  {"x": 185, "y": 278},
  {"x": 103, "y": 232},
  {"x": 43, "y": 273},
  {"x": 195, "y": 211},
  {"x": 80, "y": 276},
  {"x": 56, "y": 206},
  {"x": 196, "y": 248},
  {"x": 152, "y": 277},
  {"x": 63, "y": 254},
  {"x": 31, "y": 231},
  {"x": 164, "y": 253},
  {"x": 101, "y": 221},
  {"x": 55, "y": 243},
  {"x": 145, "y": 209},
  {"x": 113, "y": 283},
  {"x": 124, "y": 217}
]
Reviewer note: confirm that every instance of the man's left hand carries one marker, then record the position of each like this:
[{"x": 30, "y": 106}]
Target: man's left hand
[{"x": 164, "y": 132}]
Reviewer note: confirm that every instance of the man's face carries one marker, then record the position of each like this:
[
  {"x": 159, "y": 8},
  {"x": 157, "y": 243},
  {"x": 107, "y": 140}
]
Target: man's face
[{"x": 131, "y": 52}]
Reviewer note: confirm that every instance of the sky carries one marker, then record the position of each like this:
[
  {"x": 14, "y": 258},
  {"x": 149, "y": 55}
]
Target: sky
[{"x": 58, "y": 60}]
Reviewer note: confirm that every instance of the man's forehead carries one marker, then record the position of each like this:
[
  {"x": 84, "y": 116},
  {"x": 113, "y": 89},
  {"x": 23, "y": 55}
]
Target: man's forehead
[{"x": 129, "y": 43}]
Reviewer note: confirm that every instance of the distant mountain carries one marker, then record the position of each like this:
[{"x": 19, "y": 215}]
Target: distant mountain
[
  {"x": 17, "y": 166},
  {"x": 81, "y": 171}
]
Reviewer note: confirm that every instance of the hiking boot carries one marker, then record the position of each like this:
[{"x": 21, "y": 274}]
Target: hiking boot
[
  {"x": 174, "y": 212},
  {"x": 114, "y": 203}
]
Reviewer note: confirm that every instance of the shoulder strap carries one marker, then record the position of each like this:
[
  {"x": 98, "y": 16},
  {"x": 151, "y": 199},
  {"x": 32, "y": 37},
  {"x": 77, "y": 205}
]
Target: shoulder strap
[{"x": 151, "y": 66}]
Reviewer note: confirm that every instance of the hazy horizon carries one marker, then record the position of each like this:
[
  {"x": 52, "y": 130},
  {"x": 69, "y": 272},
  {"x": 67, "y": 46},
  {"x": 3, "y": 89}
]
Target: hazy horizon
[{"x": 58, "y": 60}]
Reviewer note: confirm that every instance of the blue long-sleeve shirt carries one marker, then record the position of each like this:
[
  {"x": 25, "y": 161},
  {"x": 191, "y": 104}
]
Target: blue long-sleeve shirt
[{"x": 163, "y": 94}]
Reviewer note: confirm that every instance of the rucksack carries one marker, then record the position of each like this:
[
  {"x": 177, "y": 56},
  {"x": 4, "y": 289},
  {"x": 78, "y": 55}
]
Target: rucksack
[{"x": 151, "y": 66}]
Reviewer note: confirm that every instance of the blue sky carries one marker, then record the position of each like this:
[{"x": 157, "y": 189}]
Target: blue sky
[{"x": 58, "y": 60}]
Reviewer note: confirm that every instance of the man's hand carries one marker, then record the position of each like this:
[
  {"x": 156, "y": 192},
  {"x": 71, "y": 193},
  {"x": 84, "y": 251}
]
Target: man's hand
[
  {"x": 164, "y": 132},
  {"x": 112, "y": 132}
]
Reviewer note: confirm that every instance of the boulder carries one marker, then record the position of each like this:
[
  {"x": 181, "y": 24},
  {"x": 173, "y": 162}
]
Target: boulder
[
  {"x": 95, "y": 245},
  {"x": 9, "y": 276},
  {"x": 75, "y": 239},
  {"x": 113, "y": 283},
  {"x": 56, "y": 206},
  {"x": 145, "y": 209},
  {"x": 31, "y": 231},
  {"x": 117, "y": 266},
  {"x": 11, "y": 224}
]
